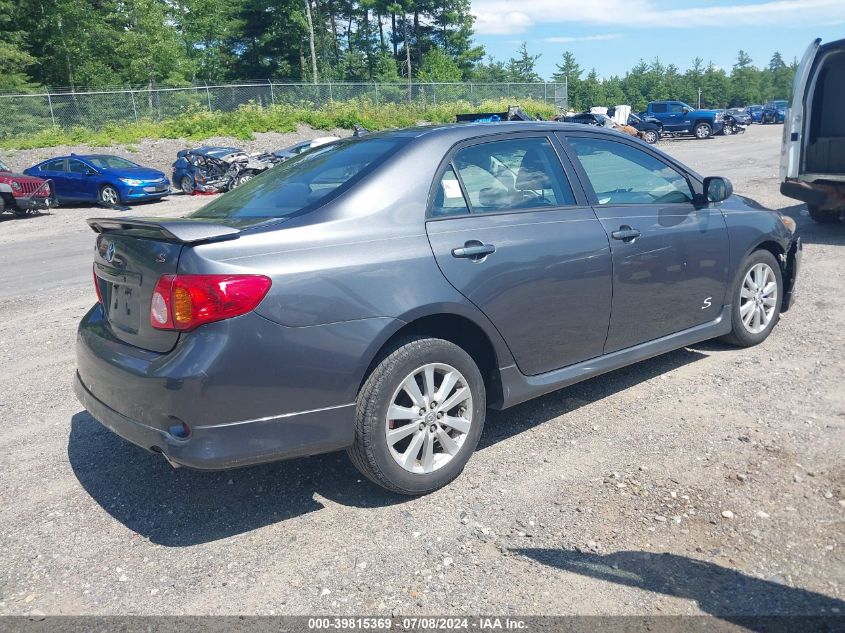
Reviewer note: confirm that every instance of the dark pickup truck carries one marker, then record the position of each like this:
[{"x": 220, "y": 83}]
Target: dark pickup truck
[{"x": 679, "y": 119}]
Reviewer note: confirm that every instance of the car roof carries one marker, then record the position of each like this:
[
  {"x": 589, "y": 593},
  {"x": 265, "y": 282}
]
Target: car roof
[{"x": 457, "y": 132}]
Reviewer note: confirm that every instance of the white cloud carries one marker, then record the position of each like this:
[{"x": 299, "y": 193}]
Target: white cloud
[
  {"x": 602, "y": 37},
  {"x": 499, "y": 16}
]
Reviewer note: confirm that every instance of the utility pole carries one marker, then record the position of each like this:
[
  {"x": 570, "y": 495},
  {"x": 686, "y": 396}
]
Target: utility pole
[{"x": 699, "y": 98}]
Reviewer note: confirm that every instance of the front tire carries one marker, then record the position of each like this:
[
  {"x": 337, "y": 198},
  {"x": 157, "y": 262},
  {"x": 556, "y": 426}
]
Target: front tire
[
  {"x": 824, "y": 216},
  {"x": 420, "y": 414},
  {"x": 651, "y": 136},
  {"x": 702, "y": 131},
  {"x": 187, "y": 185},
  {"x": 756, "y": 300},
  {"x": 109, "y": 196}
]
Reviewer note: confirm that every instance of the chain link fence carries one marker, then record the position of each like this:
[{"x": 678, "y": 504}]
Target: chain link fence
[{"x": 28, "y": 113}]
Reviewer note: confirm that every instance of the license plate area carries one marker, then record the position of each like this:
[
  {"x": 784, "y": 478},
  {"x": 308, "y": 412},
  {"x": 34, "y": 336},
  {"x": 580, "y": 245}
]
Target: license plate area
[{"x": 123, "y": 311}]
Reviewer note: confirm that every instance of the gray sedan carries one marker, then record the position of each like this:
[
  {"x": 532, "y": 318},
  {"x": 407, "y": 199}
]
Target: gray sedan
[{"x": 379, "y": 294}]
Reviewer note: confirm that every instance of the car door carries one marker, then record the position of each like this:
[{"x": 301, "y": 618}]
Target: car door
[
  {"x": 56, "y": 171},
  {"x": 81, "y": 179},
  {"x": 510, "y": 233},
  {"x": 669, "y": 247},
  {"x": 677, "y": 119}
]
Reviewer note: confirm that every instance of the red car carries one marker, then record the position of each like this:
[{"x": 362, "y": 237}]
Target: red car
[{"x": 20, "y": 194}]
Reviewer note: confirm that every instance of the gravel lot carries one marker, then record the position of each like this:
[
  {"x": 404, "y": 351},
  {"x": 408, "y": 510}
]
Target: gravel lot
[{"x": 708, "y": 480}]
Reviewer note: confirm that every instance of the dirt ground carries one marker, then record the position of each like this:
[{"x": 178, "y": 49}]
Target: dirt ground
[{"x": 708, "y": 480}]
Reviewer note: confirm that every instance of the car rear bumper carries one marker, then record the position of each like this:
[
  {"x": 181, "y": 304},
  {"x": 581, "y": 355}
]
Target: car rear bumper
[
  {"x": 219, "y": 447},
  {"x": 249, "y": 389}
]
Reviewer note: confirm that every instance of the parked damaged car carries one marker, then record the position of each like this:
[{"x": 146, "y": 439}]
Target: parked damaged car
[
  {"x": 217, "y": 169},
  {"x": 21, "y": 194},
  {"x": 378, "y": 294},
  {"x": 737, "y": 121},
  {"x": 647, "y": 130}
]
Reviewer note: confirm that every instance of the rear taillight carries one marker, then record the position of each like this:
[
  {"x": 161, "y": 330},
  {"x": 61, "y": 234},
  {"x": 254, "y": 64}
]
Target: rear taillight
[
  {"x": 184, "y": 302},
  {"x": 97, "y": 284}
]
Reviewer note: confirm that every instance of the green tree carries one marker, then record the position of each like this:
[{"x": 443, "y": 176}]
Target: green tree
[
  {"x": 744, "y": 82},
  {"x": 14, "y": 60},
  {"x": 569, "y": 72},
  {"x": 521, "y": 67},
  {"x": 437, "y": 66}
]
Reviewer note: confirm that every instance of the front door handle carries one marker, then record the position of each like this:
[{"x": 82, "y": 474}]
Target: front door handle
[
  {"x": 474, "y": 250},
  {"x": 625, "y": 233}
]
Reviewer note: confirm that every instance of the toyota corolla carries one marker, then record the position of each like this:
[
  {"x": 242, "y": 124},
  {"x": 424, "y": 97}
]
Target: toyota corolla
[{"x": 379, "y": 294}]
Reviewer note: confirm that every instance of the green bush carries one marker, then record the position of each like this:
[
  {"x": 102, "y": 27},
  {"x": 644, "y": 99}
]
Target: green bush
[{"x": 197, "y": 124}]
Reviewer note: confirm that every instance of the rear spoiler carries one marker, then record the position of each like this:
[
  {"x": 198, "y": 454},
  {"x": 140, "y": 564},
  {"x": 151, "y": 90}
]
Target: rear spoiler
[{"x": 171, "y": 230}]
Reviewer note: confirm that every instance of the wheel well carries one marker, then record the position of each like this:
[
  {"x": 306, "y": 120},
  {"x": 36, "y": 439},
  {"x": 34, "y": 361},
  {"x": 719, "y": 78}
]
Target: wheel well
[
  {"x": 774, "y": 248},
  {"x": 700, "y": 121},
  {"x": 463, "y": 333}
]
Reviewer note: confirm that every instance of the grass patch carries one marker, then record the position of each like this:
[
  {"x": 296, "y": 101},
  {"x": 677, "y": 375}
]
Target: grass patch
[{"x": 244, "y": 122}]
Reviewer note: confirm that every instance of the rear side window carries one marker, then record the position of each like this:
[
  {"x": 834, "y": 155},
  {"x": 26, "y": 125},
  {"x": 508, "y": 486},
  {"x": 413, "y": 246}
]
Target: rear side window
[
  {"x": 622, "y": 174},
  {"x": 449, "y": 199},
  {"x": 658, "y": 107},
  {"x": 303, "y": 182},
  {"x": 514, "y": 174},
  {"x": 54, "y": 165}
]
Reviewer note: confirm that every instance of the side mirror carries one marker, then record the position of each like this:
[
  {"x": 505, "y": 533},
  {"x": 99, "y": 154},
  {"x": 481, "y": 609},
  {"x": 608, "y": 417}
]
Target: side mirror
[
  {"x": 686, "y": 110},
  {"x": 90, "y": 172},
  {"x": 717, "y": 188}
]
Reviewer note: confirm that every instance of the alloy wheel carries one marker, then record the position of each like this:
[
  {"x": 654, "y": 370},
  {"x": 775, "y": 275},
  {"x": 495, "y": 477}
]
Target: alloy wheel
[
  {"x": 429, "y": 418},
  {"x": 109, "y": 195},
  {"x": 758, "y": 298}
]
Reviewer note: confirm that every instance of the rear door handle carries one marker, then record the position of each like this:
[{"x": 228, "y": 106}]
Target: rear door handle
[
  {"x": 625, "y": 233},
  {"x": 474, "y": 249}
]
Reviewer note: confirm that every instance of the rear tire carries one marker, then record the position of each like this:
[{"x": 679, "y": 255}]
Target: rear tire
[
  {"x": 437, "y": 442},
  {"x": 702, "y": 131},
  {"x": 824, "y": 216},
  {"x": 755, "y": 309}
]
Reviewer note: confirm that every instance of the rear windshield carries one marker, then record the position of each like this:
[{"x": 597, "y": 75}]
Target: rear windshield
[
  {"x": 303, "y": 182},
  {"x": 110, "y": 162}
]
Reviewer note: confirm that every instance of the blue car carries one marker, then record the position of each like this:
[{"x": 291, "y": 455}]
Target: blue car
[
  {"x": 109, "y": 180},
  {"x": 756, "y": 113},
  {"x": 774, "y": 112}
]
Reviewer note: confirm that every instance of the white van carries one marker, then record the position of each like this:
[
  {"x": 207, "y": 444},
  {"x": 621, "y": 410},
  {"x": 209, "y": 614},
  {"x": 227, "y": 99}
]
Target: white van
[{"x": 813, "y": 151}]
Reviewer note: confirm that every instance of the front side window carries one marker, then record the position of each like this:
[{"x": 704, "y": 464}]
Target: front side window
[
  {"x": 514, "y": 174},
  {"x": 77, "y": 167},
  {"x": 622, "y": 174},
  {"x": 301, "y": 183},
  {"x": 677, "y": 108}
]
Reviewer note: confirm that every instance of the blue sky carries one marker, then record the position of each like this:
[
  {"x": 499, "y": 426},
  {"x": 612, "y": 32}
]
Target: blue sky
[{"x": 612, "y": 35}]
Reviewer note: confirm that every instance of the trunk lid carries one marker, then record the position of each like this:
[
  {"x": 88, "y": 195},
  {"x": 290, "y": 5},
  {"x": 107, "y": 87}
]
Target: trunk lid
[{"x": 129, "y": 257}]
